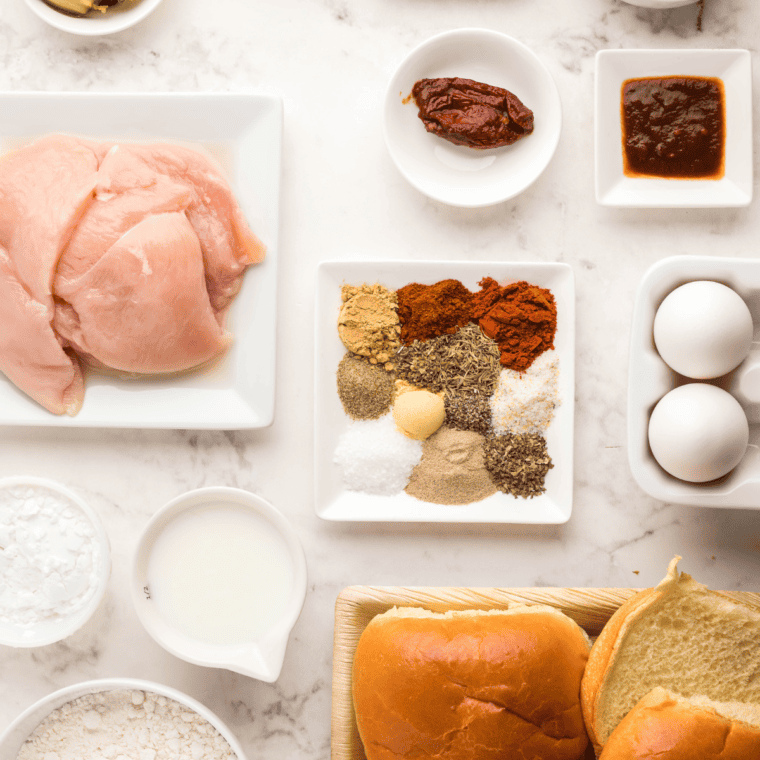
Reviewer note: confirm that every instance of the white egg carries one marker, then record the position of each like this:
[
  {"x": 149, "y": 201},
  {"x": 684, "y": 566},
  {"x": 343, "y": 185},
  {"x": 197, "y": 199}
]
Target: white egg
[
  {"x": 703, "y": 329},
  {"x": 698, "y": 432}
]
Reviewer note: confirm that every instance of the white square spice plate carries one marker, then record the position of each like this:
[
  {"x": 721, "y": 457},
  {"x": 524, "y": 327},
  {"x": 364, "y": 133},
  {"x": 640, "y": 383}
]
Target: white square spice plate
[
  {"x": 614, "y": 188},
  {"x": 244, "y": 134},
  {"x": 333, "y": 501},
  {"x": 649, "y": 379}
]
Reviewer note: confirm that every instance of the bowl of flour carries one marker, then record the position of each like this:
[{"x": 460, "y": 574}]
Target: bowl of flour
[
  {"x": 55, "y": 562},
  {"x": 118, "y": 717}
]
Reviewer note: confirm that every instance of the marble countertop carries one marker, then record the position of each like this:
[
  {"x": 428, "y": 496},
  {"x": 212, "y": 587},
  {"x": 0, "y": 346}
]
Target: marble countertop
[{"x": 342, "y": 198}]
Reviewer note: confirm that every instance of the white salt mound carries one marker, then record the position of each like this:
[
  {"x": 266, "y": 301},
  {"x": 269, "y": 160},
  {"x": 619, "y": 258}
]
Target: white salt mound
[{"x": 376, "y": 457}]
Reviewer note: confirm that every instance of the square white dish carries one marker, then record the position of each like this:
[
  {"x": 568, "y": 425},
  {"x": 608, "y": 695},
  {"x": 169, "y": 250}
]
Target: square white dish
[
  {"x": 614, "y": 188},
  {"x": 244, "y": 133},
  {"x": 649, "y": 379},
  {"x": 333, "y": 501}
]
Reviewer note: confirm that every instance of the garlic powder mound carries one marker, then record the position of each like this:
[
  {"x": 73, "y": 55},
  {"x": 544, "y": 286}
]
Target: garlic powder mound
[{"x": 524, "y": 402}]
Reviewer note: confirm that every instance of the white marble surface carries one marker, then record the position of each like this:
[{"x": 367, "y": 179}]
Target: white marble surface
[{"x": 342, "y": 198}]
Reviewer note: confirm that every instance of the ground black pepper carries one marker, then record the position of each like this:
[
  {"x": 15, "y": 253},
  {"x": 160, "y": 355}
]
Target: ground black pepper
[{"x": 366, "y": 390}]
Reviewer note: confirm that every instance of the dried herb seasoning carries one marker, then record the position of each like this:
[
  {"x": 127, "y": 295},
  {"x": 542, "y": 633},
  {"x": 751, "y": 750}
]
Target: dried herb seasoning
[
  {"x": 518, "y": 463},
  {"x": 468, "y": 410},
  {"x": 465, "y": 361}
]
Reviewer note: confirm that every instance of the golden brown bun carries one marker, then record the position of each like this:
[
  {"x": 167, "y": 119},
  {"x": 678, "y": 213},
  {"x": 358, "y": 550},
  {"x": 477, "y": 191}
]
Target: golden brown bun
[
  {"x": 664, "y": 726},
  {"x": 679, "y": 635},
  {"x": 471, "y": 685}
]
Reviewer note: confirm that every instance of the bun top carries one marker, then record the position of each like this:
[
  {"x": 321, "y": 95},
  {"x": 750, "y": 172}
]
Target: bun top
[
  {"x": 665, "y": 725},
  {"x": 680, "y": 636},
  {"x": 471, "y": 685}
]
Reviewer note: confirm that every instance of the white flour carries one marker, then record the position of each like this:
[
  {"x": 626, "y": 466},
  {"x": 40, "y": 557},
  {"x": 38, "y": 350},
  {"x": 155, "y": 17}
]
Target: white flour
[
  {"x": 125, "y": 725},
  {"x": 49, "y": 556}
]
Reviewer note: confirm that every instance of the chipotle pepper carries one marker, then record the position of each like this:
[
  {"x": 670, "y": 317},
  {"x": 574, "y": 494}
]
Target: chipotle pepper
[{"x": 471, "y": 113}]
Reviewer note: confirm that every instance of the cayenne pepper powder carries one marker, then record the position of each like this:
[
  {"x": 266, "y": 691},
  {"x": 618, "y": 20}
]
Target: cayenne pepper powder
[
  {"x": 520, "y": 317},
  {"x": 427, "y": 311}
]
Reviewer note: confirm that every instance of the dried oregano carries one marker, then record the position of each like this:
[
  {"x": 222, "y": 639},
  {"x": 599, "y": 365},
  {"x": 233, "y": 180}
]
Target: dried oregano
[
  {"x": 464, "y": 361},
  {"x": 518, "y": 463}
]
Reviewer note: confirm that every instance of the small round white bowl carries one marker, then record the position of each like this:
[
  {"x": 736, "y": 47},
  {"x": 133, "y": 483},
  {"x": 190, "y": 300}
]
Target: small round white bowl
[
  {"x": 261, "y": 658},
  {"x": 97, "y": 23},
  {"x": 456, "y": 174},
  {"x": 661, "y": 3},
  {"x": 16, "y": 734},
  {"x": 49, "y": 632}
]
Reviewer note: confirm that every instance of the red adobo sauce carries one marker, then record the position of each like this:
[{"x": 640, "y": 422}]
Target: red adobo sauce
[
  {"x": 674, "y": 127},
  {"x": 471, "y": 113}
]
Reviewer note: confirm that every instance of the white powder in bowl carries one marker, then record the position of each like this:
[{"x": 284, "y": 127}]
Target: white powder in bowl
[
  {"x": 125, "y": 725},
  {"x": 50, "y": 555},
  {"x": 376, "y": 457}
]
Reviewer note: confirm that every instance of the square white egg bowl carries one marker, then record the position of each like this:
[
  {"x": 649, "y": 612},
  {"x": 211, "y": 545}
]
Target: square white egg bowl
[{"x": 649, "y": 379}]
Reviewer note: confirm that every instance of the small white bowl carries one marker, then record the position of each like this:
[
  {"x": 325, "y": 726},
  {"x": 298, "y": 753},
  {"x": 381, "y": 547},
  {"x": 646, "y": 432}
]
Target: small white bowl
[
  {"x": 614, "y": 188},
  {"x": 261, "y": 658},
  {"x": 48, "y": 632},
  {"x": 94, "y": 24},
  {"x": 456, "y": 174},
  {"x": 16, "y": 734},
  {"x": 649, "y": 379},
  {"x": 661, "y": 3}
]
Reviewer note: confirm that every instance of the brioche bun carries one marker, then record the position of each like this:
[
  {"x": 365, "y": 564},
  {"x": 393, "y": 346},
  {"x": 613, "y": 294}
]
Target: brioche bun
[
  {"x": 680, "y": 636},
  {"x": 666, "y": 726},
  {"x": 471, "y": 685}
]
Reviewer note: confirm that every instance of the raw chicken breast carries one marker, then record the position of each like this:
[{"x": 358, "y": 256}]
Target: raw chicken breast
[
  {"x": 31, "y": 356},
  {"x": 143, "y": 307},
  {"x": 44, "y": 189},
  {"x": 118, "y": 256}
]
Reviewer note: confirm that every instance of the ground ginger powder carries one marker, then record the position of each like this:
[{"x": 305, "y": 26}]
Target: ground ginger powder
[{"x": 368, "y": 323}]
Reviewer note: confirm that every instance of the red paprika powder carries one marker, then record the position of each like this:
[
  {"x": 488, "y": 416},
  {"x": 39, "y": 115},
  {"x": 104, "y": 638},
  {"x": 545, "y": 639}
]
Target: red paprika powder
[
  {"x": 520, "y": 317},
  {"x": 427, "y": 311}
]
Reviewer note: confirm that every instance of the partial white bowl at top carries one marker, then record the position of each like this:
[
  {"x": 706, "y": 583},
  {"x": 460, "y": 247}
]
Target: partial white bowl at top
[
  {"x": 660, "y": 3},
  {"x": 16, "y": 734},
  {"x": 456, "y": 174},
  {"x": 94, "y": 24},
  {"x": 56, "y": 628},
  {"x": 219, "y": 579}
]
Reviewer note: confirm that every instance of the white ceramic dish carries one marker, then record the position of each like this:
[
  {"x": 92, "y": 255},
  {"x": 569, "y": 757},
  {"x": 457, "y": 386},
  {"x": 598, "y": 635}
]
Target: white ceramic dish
[
  {"x": 49, "y": 632},
  {"x": 456, "y": 174},
  {"x": 16, "y": 734},
  {"x": 244, "y": 133},
  {"x": 262, "y": 658},
  {"x": 661, "y": 3},
  {"x": 649, "y": 379},
  {"x": 614, "y": 188},
  {"x": 333, "y": 501},
  {"x": 95, "y": 24}
]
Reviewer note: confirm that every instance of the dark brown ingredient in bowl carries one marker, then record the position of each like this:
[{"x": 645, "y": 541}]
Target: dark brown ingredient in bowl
[
  {"x": 471, "y": 113},
  {"x": 674, "y": 127}
]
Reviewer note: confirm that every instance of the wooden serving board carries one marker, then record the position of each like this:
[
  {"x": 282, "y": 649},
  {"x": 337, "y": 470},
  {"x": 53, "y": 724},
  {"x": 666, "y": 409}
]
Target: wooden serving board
[{"x": 591, "y": 608}]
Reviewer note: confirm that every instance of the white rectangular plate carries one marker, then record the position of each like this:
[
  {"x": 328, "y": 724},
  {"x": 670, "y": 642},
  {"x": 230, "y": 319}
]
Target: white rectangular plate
[
  {"x": 333, "y": 500},
  {"x": 244, "y": 134},
  {"x": 613, "y": 187}
]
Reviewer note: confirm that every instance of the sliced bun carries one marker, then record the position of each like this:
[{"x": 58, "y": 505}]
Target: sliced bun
[
  {"x": 679, "y": 635},
  {"x": 471, "y": 685},
  {"x": 666, "y": 726}
]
